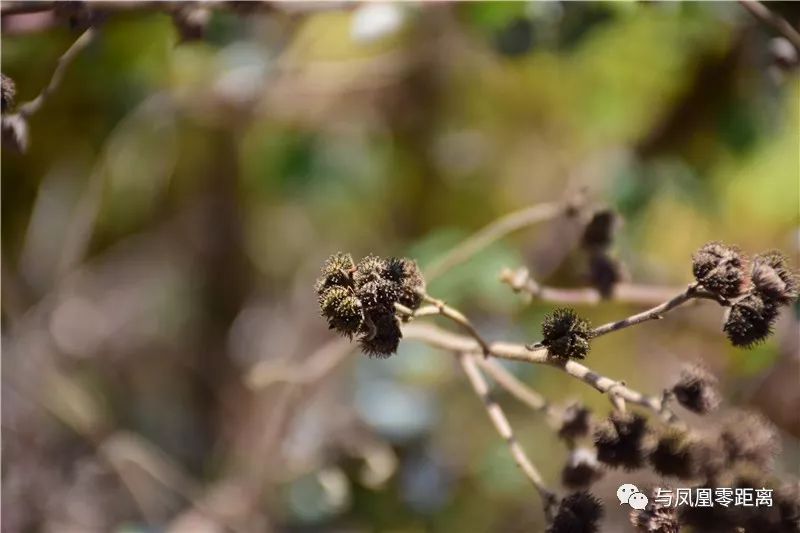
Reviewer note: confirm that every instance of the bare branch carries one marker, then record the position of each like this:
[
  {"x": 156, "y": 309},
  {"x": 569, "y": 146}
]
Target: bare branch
[
  {"x": 657, "y": 312},
  {"x": 493, "y": 232},
  {"x": 29, "y": 108},
  {"x": 318, "y": 365},
  {"x": 453, "y": 342},
  {"x": 515, "y": 387},
  {"x": 503, "y": 427},
  {"x": 763, "y": 14},
  {"x": 439, "y": 307},
  {"x": 520, "y": 281}
]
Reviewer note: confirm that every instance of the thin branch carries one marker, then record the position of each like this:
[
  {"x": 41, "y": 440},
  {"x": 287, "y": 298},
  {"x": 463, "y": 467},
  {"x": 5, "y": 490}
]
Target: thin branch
[
  {"x": 763, "y": 14},
  {"x": 456, "y": 316},
  {"x": 453, "y": 342},
  {"x": 491, "y": 233},
  {"x": 657, "y": 312},
  {"x": 503, "y": 427},
  {"x": 521, "y": 281},
  {"x": 319, "y": 364},
  {"x": 29, "y": 108},
  {"x": 515, "y": 387}
]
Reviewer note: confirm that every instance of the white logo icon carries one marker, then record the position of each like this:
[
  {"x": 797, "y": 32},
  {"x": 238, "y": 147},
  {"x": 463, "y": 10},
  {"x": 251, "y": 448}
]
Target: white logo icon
[{"x": 631, "y": 495}]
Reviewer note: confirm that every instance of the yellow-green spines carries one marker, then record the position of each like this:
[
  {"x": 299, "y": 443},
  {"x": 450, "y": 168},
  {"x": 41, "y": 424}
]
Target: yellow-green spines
[
  {"x": 566, "y": 334},
  {"x": 337, "y": 270},
  {"x": 342, "y": 309}
]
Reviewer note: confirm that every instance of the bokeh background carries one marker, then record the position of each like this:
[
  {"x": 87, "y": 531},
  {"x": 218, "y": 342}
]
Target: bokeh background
[{"x": 162, "y": 233}]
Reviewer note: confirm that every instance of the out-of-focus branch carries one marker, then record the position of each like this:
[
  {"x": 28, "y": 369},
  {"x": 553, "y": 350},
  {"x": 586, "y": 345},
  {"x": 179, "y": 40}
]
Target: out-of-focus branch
[
  {"x": 515, "y": 387},
  {"x": 318, "y": 365},
  {"x": 766, "y": 16},
  {"x": 29, "y": 108},
  {"x": 457, "y": 317},
  {"x": 494, "y": 231},
  {"x": 521, "y": 281},
  {"x": 453, "y": 342},
  {"x": 503, "y": 427}
]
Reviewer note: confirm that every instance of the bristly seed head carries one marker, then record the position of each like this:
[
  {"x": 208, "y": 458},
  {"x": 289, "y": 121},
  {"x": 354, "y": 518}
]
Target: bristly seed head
[
  {"x": 566, "y": 335},
  {"x": 581, "y": 469},
  {"x": 605, "y": 273},
  {"x": 696, "y": 390},
  {"x": 773, "y": 280},
  {"x": 655, "y": 518},
  {"x": 579, "y": 512},
  {"x": 749, "y": 321},
  {"x": 719, "y": 269},
  {"x": 677, "y": 454},
  {"x": 599, "y": 232},
  {"x": 360, "y": 299},
  {"x": 749, "y": 438},
  {"x": 576, "y": 422},
  {"x": 337, "y": 270},
  {"x": 342, "y": 309},
  {"x": 623, "y": 440},
  {"x": 386, "y": 337}
]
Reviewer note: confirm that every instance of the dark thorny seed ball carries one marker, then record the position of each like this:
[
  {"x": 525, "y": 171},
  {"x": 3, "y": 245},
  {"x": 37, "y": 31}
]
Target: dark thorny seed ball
[
  {"x": 581, "y": 469},
  {"x": 772, "y": 278},
  {"x": 719, "y": 269},
  {"x": 342, "y": 310},
  {"x": 566, "y": 334},
  {"x": 749, "y": 321},
  {"x": 384, "y": 337},
  {"x": 405, "y": 273},
  {"x": 623, "y": 440},
  {"x": 337, "y": 270},
  {"x": 676, "y": 453},
  {"x": 605, "y": 273},
  {"x": 575, "y": 422},
  {"x": 379, "y": 295},
  {"x": 713, "y": 519},
  {"x": 748, "y": 437},
  {"x": 655, "y": 518},
  {"x": 579, "y": 512},
  {"x": 369, "y": 269},
  {"x": 696, "y": 390},
  {"x": 599, "y": 232}
]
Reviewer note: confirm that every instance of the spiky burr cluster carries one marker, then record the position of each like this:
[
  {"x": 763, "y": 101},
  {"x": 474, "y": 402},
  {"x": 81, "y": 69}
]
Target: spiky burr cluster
[
  {"x": 566, "y": 334},
  {"x": 756, "y": 296},
  {"x": 359, "y": 299}
]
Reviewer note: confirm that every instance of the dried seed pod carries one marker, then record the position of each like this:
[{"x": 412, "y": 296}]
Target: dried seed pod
[
  {"x": 676, "y": 453},
  {"x": 576, "y": 422},
  {"x": 599, "y": 232},
  {"x": 579, "y": 512},
  {"x": 581, "y": 469},
  {"x": 9, "y": 92},
  {"x": 655, "y": 518},
  {"x": 370, "y": 268},
  {"x": 384, "y": 338},
  {"x": 405, "y": 273},
  {"x": 566, "y": 334},
  {"x": 696, "y": 390},
  {"x": 773, "y": 280},
  {"x": 337, "y": 270},
  {"x": 342, "y": 309},
  {"x": 605, "y": 273},
  {"x": 748, "y": 437},
  {"x": 719, "y": 269},
  {"x": 623, "y": 440},
  {"x": 749, "y": 321}
]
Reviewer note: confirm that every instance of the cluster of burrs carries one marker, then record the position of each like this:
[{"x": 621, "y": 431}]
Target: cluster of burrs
[
  {"x": 362, "y": 299},
  {"x": 755, "y": 294}
]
